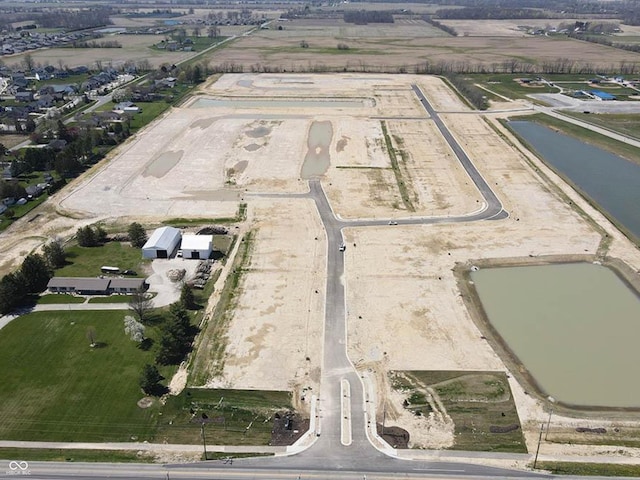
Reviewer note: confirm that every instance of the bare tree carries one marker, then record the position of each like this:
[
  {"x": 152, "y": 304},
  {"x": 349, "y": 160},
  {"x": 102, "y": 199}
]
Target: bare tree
[
  {"x": 213, "y": 31},
  {"x": 91, "y": 336},
  {"x": 140, "y": 305},
  {"x": 28, "y": 62}
]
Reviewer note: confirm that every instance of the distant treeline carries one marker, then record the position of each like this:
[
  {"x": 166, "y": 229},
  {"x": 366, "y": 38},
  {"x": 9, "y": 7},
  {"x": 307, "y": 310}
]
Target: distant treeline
[
  {"x": 363, "y": 17},
  {"x": 627, "y": 11},
  {"x": 441, "y": 26},
  {"x": 95, "y": 44},
  {"x": 481, "y": 13},
  {"x": 602, "y": 40},
  {"x": 441, "y": 67},
  {"x": 59, "y": 18}
]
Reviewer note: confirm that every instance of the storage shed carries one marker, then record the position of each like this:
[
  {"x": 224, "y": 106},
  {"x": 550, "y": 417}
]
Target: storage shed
[
  {"x": 162, "y": 243},
  {"x": 197, "y": 246}
]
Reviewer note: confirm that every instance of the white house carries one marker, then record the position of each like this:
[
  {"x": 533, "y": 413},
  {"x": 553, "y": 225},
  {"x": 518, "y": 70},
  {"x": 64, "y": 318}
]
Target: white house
[
  {"x": 196, "y": 246},
  {"x": 162, "y": 243}
]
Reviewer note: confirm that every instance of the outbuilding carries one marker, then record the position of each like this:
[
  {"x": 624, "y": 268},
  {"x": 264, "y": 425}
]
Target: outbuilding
[
  {"x": 197, "y": 246},
  {"x": 162, "y": 243}
]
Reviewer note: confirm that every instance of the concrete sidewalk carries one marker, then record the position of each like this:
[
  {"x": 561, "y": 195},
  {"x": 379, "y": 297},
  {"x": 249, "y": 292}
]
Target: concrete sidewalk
[{"x": 143, "y": 446}]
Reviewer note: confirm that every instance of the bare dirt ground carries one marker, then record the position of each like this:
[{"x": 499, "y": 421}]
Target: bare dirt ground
[
  {"x": 275, "y": 338},
  {"x": 404, "y": 308}
]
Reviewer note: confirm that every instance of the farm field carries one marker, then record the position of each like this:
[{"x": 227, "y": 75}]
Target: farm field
[
  {"x": 134, "y": 48},
  {"x": 375, "y": 48}
]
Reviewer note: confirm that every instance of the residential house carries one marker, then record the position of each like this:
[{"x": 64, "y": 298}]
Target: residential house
[{"x": 24, "y": 96}]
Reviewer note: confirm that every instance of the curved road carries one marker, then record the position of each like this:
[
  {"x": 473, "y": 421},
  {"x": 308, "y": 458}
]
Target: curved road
[{"x": 342, "y": 449}]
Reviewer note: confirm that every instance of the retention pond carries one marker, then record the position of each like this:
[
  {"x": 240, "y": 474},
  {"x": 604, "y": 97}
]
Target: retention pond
[
  {"x": 280, "y": 103},
  {"x": 574, "y": 327},
  {"x": 610, "y": 181}
]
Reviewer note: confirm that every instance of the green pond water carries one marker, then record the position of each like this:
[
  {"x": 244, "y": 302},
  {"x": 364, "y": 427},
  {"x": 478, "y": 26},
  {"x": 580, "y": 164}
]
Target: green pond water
[{"x": 575, "y": 327}]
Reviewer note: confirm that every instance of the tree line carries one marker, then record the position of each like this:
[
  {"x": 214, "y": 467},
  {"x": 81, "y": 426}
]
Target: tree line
[
  {"x": 16, "y": 288},
  {"x": 600, "y": 40},
  {"x": 430, "y": 20},
  {"x": 97, "y": 44},
  {"x": 363, "y": 17},
  {"x": 468, "y": 90},
  {"x": 441, "y": 67}
]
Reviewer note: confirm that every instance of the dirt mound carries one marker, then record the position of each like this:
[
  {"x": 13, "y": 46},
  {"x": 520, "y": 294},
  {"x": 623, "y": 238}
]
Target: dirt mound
[
  {"x": 145, "y": 402},
  {"x": 288, "y": 427},
  {"x": 176, "y": 274},
  {"x": 395, "y": 436}
]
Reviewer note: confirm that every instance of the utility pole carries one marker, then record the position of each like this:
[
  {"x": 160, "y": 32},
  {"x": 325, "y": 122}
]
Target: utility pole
[
  {"x": 384, "y": 417},
  {"x": 552, "y": 401},
  {"x": 204, "y": 441},
  {"x": 535, "y": 461}
]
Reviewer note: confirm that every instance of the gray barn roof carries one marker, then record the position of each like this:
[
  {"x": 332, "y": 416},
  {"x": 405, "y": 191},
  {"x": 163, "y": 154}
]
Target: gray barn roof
[
  {"x": 79, "y": 283},
  {"x": 126, "y": 283},
  {"x": 162, "y": 239}
]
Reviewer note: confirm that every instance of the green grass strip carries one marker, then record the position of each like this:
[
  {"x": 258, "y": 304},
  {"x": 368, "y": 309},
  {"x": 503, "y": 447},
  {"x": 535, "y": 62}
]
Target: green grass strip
[
  {"x": 598, "y": 469},
  {"x": 404, "y": 192}
]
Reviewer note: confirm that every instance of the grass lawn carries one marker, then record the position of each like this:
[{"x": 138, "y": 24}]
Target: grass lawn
[
  {"x": 60, "y": 298},
  {"x": 598, "y": 469},
  {"x": 479, "y": 403},
  {"x": 87, "y": 261},
  {"x": 505, "y": 84},
  {"x": 237, "y": 417},
  {"x": 57, "y": 455},
  {"x": 56, "y": 387},
  {"x": 111, "y": 299},
  {"x": 21, "y": 211},
  {"x": 623, "y": 123}
]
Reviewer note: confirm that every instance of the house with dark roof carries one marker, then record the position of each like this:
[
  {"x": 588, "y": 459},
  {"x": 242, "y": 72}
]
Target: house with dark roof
[
  {"x": 24, "y": 96},
  {"x": 95, "y": 285}
]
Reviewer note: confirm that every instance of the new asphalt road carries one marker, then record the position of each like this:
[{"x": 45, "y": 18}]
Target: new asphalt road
[{"x": 336, "y": 453}]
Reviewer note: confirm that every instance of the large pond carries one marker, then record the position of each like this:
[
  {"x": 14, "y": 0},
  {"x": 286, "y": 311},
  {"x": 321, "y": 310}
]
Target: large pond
[
  {"x": 575, "y": 328},
  {"x": 609, "y": 180},
  {"x": 284, "y": 103}
]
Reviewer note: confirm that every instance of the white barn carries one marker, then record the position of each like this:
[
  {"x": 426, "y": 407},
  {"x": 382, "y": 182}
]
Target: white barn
[
  {"x": 197, "y": 246},
  {"x": 162, "y": 243}
]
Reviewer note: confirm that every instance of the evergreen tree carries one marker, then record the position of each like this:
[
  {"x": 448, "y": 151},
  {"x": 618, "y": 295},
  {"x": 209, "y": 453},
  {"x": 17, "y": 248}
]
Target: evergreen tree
[
  {"x": 137, "y": 235},
  {"x": 150, "y": 380},
  {"x": 187, "y": 299},
  {"x": 54, "y": 254},
  {"x": 11, "y": 292},
  {"x": 35, "y": 273}
]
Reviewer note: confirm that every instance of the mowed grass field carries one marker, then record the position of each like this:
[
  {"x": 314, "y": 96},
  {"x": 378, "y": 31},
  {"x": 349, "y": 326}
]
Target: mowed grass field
[
  {"x": 405, "y": 44},
  {"x": 87, "y": 261},
  {"x": 56, "y": 387}
]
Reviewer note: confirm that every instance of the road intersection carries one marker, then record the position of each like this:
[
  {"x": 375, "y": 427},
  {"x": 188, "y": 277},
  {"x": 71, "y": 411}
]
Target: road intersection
[{"x": 342, "y": 445}]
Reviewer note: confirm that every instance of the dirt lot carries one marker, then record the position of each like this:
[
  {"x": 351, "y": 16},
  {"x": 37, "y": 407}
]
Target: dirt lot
[
  {"x": 275, "y": 338},
  {"x": 391, "y": 50},
  {"x": 405, "y": 311}
]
